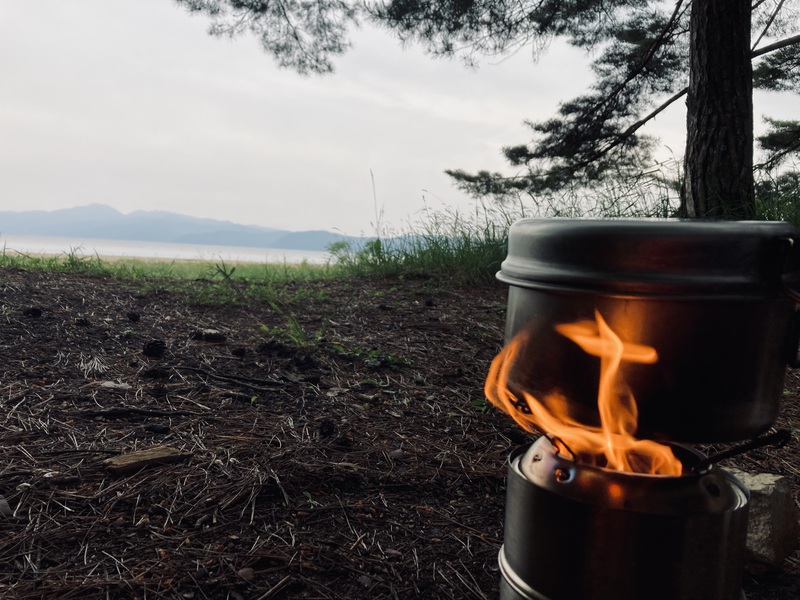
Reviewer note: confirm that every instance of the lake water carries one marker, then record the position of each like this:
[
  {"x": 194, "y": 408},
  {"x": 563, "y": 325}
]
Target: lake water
[{"x": 43, "y": 245}]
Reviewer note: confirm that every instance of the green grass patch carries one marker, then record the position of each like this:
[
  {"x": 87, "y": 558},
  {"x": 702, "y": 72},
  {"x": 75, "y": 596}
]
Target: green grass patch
[
  {"x": 75, "y": 261},
  {"x": 449, "y": 246},
  {"x": 199, "y": 282}
]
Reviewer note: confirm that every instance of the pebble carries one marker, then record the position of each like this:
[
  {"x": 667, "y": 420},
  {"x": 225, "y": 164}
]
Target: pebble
[
  {"x": 209, "y": 335},
  {"x": 5, "y": 509}
]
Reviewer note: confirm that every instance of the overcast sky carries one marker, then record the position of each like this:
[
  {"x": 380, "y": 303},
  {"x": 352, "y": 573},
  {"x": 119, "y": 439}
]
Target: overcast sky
[{"x": 131, "y": 103}]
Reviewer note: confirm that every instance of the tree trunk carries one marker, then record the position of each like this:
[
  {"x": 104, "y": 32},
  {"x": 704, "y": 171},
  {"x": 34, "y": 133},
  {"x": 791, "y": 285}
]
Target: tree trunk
[{"x": 718, "y": 166}]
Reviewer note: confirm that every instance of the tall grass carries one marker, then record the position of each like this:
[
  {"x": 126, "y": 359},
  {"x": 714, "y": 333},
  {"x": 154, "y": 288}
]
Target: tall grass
[
  {"x": 653, "y": 193},
  {"x": 778, "y": 196},
  {"x": 73, "y": 261},
  {"x": 76, "y": 261},
  {"x": 449, "y": 245},
  {"x": 463, "y": 247},
  {"x": 469, "y": 247},
  {"x": 200, "y": 281}
]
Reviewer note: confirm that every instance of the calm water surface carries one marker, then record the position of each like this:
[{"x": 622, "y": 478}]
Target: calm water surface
[{"x": 38, "y": 245}]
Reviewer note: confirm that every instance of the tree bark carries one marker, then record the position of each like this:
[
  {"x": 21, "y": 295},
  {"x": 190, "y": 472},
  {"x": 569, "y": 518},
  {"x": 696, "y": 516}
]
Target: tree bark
[{"x": 718, "y": 165}]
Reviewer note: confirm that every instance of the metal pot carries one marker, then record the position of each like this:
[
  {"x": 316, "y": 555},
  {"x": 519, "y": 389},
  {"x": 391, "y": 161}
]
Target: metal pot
[
  {"x": 575, "y": 532},
  {"x": 715, "y": 299}
]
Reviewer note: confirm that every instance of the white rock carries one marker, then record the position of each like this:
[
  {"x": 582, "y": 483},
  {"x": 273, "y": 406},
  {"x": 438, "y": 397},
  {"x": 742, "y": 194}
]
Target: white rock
[{"x": 772, "y": 528}]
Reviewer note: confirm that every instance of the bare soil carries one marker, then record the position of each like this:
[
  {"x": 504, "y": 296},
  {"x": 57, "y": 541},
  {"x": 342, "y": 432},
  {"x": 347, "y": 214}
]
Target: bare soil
[{"x": 334, "y": 445}]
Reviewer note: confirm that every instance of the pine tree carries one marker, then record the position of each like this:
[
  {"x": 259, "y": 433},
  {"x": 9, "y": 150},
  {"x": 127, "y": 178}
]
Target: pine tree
[{"x": 651, "y": 54}]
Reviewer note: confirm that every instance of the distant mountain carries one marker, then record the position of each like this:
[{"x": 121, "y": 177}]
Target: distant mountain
[{"x": 98, "y": 221}]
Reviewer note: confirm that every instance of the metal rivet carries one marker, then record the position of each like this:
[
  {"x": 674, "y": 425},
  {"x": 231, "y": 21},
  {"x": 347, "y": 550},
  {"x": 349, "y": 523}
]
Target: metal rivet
[{"x": 562, "y": 475}]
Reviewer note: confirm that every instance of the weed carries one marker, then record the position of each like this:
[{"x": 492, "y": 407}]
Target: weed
[
  {"x": 480, "y": 404},
  {"x": 310, "y": 499},
  {"x": 293, "y": 332},
  {"x": 372, "y": 357},
  {"x": 448, "y": 246}
]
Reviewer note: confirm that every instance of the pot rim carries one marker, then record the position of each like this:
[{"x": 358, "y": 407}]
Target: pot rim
[
  {"x": 664, "y": 257},
  {"x": 710, "y": 491}
]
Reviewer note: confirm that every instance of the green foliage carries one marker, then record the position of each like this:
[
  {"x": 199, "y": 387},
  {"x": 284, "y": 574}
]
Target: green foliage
[
  {"x": 299, "y": 34},
  {"x": 641, "y": 63},
  {"x": 73, "y": 261},
  {"x": 449, "y": 246},
  {"x": 654, "y": 192},
  {"x": 779, "y": 71},
  {"x": 781, "y": 141},
  {"x": 778, "y": 197},
  {"x": 469, "y": 28},
  {"x": 641, "y": 57},
  {"x": 200, "y": 281},
  {"x": 371, "y": 357},
  {"x": 480, "y": 404},
  {"x": 293, "y": 331}
]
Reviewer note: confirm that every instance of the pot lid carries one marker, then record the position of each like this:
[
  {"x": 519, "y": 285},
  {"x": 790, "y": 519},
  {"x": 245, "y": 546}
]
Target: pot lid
[{"x": 654, "y": 256}]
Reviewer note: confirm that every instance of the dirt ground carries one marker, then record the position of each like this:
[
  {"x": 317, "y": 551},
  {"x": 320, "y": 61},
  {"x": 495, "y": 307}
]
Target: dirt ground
[{"x": 335, "y": 444}]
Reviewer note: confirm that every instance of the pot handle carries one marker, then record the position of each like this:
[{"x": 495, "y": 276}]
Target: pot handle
[
  {"x": 794, "y": 341},
  {"x": 791, "y": 280}
]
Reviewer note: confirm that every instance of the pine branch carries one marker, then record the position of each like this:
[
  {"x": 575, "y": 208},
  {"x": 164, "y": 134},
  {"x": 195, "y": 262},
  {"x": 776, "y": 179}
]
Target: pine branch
[
  {"x": 769, "y": 22},
  {"x": 795, "y": 39},
  {"x": 643, "y": 63},
  {"x": 644, "y": 120}
]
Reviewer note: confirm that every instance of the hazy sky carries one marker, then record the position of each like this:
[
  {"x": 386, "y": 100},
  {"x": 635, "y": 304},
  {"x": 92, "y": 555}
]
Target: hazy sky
[{"x": 132, "y": 104}]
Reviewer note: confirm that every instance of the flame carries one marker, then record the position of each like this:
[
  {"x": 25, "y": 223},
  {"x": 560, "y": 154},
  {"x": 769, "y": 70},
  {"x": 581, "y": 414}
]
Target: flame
[{"x": 611, "y": 445}]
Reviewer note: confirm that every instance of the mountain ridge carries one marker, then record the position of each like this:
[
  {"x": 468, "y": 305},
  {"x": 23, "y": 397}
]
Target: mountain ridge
[{"x": 100, "y": 221}]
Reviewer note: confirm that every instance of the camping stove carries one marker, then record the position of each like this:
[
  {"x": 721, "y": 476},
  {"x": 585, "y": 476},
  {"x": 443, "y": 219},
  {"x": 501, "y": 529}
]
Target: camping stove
[
  {"x": 576, "y": 531},
  {"x": 688, "y": 327}
]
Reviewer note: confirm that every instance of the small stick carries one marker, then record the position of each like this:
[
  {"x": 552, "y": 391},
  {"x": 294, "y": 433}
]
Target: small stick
[{"x": 275, "y": 588}]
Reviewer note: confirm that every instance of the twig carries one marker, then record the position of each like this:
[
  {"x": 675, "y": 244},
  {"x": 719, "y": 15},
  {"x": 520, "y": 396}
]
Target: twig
[
  {"x": 275, "y": 588},
  {"x": 248, "y": 382},
  {"x": 126, "y": 411}
]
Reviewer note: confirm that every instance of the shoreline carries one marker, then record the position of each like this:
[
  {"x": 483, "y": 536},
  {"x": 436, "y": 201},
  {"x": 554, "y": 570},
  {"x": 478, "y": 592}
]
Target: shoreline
[{"x": 155, "y": 252}]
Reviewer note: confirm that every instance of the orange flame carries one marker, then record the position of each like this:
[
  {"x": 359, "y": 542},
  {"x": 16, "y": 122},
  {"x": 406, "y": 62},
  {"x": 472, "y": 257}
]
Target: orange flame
[{"x": 611, "y": 445}]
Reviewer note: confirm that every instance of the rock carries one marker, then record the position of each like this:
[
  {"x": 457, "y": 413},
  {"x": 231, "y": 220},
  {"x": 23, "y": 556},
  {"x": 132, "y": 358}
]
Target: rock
[
  {"x": 209, "y": 335},
  {"x": 772, "y": 526},
  {"x": 115, "y": 385},
  {"x": 397, "y": 454},
  {"x": 5, "y": 509}
]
